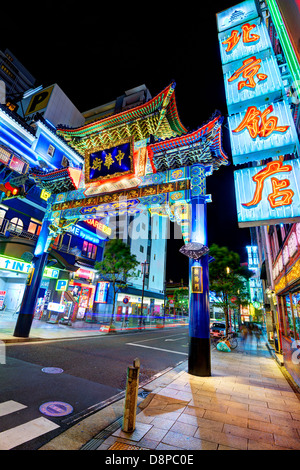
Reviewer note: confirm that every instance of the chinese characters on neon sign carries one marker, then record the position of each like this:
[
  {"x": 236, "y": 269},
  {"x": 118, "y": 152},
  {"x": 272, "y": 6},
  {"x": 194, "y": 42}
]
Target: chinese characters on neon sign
[
  {"x": 257, "y": 123},
  {"x": 249, "y": 69},
  {"x": 235, "y": 37},
  {"x": 279, "y": 192}
]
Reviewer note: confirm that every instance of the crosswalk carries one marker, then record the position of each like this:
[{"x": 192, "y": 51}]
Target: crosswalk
[{"x": 24, "y": 432}]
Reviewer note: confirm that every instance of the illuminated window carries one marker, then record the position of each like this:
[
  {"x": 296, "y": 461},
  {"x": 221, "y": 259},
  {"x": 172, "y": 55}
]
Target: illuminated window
[
  {"x": 89, "y": 250},
  {"x": 51, "y": 150},
  {"x": 34, "y": 228},
  {"x": 16, "y": 225}
]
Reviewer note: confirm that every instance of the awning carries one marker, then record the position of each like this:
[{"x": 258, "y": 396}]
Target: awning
[{"x": 62, "y": 263}]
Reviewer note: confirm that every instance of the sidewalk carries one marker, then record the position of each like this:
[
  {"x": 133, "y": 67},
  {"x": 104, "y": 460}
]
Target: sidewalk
[
  {"x": 48, "y": 331},
  {"x": 247, "y": 404}
]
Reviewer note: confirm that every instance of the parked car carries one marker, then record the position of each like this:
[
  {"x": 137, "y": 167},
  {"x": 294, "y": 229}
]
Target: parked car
[{"x": 218, "y": 329}]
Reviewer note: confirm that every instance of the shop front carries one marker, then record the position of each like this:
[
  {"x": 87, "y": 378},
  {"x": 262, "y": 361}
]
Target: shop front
[
  {"x": 14, "y": 274},
  {"x": 66, "y": 297},
  {"x": 134, "y": 310},
  {"x": 286, "y": 274}
]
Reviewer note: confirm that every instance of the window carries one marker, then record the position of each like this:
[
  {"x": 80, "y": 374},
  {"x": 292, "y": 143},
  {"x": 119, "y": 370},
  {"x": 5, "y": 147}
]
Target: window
[
  {"x": 51, "y": 150},
  {"x": 16, "y": 225},
  {"x": 34, "y": 228},
  {"x": 141, "y": 249},
  {"x": 89, "y": 250},
  {"x": 293, "y": 315}
]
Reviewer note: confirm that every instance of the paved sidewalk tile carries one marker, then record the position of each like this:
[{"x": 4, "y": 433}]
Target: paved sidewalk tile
[{"x": 246, "y": 404}]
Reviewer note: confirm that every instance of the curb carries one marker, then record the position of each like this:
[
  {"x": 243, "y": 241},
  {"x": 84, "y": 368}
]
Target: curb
[{"x": 89, "y": 434}]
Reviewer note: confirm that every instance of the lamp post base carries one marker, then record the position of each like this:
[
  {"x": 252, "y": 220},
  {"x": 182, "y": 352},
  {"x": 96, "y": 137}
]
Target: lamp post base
[{"x": 199, "y": 357}]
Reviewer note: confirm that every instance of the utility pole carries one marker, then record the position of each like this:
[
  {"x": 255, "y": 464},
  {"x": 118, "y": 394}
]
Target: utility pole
[{"x": 144, "y": 267}]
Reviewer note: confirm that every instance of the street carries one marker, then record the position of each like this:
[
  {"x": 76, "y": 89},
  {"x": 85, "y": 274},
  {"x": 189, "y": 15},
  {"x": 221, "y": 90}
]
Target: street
[{"x": 71, "y": 379}]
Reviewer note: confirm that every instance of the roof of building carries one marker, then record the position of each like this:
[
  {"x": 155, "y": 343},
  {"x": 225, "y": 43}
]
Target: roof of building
[
  {"x": 158, "y": 117},
  {"x": 201, "y": 146}
]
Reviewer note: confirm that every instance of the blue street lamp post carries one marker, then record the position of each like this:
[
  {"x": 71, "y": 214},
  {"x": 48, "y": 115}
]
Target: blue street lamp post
[
  {"x": 199, "y": 360},
  {"x": 30, "y": 296}
]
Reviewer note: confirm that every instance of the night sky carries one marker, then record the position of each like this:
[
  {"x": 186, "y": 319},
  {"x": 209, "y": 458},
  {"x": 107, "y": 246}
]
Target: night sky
[{"x": 95, "y": 53}]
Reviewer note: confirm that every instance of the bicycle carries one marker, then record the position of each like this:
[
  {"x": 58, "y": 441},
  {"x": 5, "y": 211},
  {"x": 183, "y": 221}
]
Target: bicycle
[{"x": 230, "y": 340}]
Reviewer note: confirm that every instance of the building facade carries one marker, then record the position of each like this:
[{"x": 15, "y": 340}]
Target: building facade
[{"x": 261, "y": 64}]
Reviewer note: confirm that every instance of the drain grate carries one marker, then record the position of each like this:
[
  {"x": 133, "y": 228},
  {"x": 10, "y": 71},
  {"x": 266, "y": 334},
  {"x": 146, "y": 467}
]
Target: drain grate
[
  {"x": 94, "y": 443},
  {"x": 97, "y": 440},
  {"x": 123, "y": 446}
]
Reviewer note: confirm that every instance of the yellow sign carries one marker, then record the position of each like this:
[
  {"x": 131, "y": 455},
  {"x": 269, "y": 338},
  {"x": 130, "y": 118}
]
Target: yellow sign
[
  {"x": 39, "y": 101},
  {"x": 197, "y": 285},
  {"x": 45, "y": 195}
]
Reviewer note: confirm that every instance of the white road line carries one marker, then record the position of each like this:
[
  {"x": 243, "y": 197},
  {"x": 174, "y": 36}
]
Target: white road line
[
  {"x": 158, "y": 349},
  {"x": 10, "y": 406},
  {"x": 158, "y": 337},
  {"x": 177, "y": 339},
  {"x": 25, "y": 432}
]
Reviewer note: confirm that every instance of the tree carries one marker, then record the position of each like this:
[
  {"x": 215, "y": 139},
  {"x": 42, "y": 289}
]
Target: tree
[
  {"x": 228, "y": 278},
  {"x": 117, "y": 267},
  {"x": 181, "y": 299}
]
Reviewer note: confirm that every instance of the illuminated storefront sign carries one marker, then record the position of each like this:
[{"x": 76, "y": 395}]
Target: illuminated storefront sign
[
  {"x": 84, "y": 234},
  {"x": 262, "y": 132},
  {"x": 51, "y": 273},
  {"x": 84, "y": 274},
  {"x": 55, "y": 307},
  {"x": 249, "y": 80},
  {"x": 106, "y": 163},
  {"x": 288, "y": 252},
  {"x": 269, "y": 193},
  {"x": 252, "y": 78},
  {"x": 233, "y": 16},
  {"x": 62, "y": 285},
  {"x": 99, "y": 226},
  {"x": 102, "y": 292},
  {"x": 12, "y": 264}
]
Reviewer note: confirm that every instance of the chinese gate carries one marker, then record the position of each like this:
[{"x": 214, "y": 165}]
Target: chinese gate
[{"x": 140, "y": 159}]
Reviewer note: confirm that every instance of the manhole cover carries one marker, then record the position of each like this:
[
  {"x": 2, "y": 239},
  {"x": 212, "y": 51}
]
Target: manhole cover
[
  {"x": 52, "y": 370},
  {"x": 56, "y": 408},
  {"x": 122, "y": 446}
]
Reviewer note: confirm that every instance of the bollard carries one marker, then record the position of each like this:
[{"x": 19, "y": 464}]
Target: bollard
[{"x": 130, "y": 405}]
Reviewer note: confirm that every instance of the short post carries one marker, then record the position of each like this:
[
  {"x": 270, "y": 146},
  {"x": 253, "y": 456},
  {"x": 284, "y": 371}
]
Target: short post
[{"x": 130, "y": 405}]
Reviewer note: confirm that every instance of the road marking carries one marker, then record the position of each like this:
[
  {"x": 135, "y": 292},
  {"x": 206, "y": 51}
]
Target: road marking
[
  {"x": 25, "y": 432},
  {"x": 158, "y": 337},
  {"x": 10, "y": 406},
  {"x": 178, "y": 339},
  {"x": 157, "y": 349}
]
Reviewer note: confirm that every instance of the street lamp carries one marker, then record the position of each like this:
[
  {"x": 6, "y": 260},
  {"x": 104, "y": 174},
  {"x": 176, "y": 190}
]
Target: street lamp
[{"x": 145, "y": 266}]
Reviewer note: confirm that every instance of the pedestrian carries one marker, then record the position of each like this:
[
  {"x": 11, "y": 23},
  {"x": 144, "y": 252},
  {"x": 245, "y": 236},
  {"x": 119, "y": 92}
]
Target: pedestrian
[
  {"x": 257, "y": 334},
  {"x": 244, "y": 334}
]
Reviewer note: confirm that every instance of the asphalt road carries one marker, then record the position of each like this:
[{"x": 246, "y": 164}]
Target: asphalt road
[{"x": 90, "y": 372}]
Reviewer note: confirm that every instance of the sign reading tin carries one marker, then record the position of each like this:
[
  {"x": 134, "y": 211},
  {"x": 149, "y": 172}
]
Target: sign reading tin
[
  {"x": 16, "y": 265},
  {"x": 109, "y": 163},
  {"x": 197, "y": 284},
  {"x": 269, "y": 193}
]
